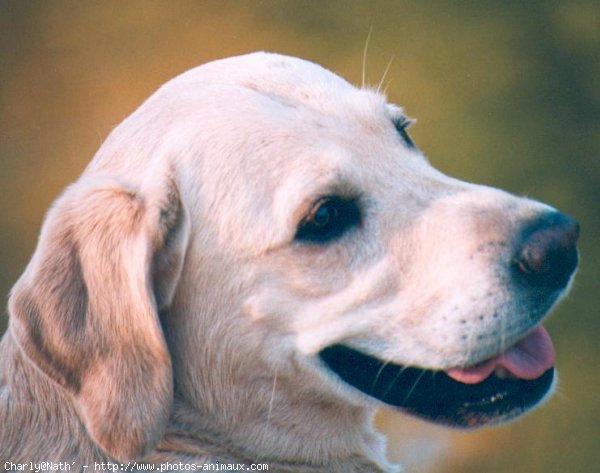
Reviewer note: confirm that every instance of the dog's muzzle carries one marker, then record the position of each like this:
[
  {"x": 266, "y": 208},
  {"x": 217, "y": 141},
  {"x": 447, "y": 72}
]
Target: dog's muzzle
[{"x": 501, "y": 387}]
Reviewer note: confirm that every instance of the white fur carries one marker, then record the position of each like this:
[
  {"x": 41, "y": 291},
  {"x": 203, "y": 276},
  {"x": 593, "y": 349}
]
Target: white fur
[{"x": 222, "y": 163}]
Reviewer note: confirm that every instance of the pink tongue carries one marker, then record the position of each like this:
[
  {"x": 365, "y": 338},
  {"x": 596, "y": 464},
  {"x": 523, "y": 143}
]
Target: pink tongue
[{"x": 528, "y": 359}]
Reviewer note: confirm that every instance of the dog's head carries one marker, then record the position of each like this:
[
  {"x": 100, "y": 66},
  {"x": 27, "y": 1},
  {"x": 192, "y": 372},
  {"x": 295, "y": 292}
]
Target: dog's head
[{"x": 280, "y": 217}]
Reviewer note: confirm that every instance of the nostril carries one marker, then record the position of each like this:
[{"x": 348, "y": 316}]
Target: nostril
[{"x": 547, "y": 252}]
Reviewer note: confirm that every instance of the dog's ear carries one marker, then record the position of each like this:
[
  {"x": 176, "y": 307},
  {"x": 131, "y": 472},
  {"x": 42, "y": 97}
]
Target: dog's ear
[{"x": 86, "y": 310}]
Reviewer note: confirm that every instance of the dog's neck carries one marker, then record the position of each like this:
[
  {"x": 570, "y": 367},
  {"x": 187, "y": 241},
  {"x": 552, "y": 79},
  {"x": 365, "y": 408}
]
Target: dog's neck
[
  {"x": 312, "y": 438},
  {"x": 269, "y": 419}
]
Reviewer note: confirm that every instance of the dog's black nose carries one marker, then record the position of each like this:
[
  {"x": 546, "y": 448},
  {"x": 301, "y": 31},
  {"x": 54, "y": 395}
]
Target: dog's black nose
[{"x": 546, "y": 252}]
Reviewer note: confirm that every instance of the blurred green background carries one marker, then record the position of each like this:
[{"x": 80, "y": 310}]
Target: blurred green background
[{"x": 506, "y": 93}]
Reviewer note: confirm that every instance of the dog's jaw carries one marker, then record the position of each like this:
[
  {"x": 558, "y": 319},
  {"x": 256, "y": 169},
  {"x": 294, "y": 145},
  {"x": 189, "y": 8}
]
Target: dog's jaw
[{"x": 223, "y": 397}]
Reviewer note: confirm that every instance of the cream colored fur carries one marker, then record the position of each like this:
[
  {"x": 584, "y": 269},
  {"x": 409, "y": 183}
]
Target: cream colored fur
[{"x": 168, "y": 314}]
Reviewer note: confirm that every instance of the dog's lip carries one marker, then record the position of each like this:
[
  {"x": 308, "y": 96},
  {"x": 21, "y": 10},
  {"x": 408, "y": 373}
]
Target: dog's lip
[
  {"x": 486, "y": 396},
  {"x": 528, "y": 359}
]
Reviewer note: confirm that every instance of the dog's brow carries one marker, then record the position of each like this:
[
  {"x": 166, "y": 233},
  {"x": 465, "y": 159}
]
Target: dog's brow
[
  {"x": 396, "y": 114},
  {"x": 394, "y": 111}
]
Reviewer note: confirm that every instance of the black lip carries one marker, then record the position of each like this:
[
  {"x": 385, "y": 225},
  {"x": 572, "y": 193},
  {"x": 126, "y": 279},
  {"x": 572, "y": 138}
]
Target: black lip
[{"x": 434, "y": 396}]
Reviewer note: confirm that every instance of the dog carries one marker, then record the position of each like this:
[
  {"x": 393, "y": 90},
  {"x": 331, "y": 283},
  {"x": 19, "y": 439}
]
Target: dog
[{"x": 257, "y": 259}]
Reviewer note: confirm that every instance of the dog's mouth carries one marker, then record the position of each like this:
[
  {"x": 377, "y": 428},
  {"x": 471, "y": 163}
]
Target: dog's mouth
[{"x": 493, "y": 391}]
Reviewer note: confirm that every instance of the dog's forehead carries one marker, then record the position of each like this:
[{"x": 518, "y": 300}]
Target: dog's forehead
[
  {"x": 292, "y": 80},
  {"x": 281, "y": 133},
  {"x": 274, "y": 131}
]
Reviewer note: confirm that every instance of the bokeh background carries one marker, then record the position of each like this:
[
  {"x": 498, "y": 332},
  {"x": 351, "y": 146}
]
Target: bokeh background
[{"x": 506, "y": 93}]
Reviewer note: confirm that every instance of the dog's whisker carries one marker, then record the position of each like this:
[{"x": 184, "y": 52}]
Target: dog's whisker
[
  {"x": 394, "y": 381},
  {"x": 503, "y": 333},
  {"x": 470, "y": 338},
  {"x": 385, "y": 73},
  {"x": 387, "y": 86},
  {"x": 433, "y": 379},
  {"x": 386, "y": 363},
  {"x": 271, "y": 400},
  {"x": 364, "y": 58},
  {"x": 406, "y": 398}
]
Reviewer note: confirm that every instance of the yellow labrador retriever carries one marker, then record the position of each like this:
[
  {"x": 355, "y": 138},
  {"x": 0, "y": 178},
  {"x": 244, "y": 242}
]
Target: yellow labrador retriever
[{"x": 254, "y": 261}]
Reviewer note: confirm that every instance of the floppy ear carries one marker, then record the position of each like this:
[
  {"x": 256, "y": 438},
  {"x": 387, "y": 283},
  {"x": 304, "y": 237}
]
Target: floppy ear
[{"x": 85, "y": 311}]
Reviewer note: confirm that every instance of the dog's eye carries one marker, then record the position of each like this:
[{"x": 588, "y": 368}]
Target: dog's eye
[
  {"x": 402, "y": 124},
  {"x": 328, "y": 219}
]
